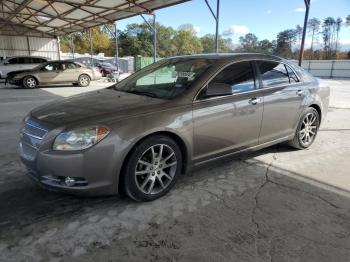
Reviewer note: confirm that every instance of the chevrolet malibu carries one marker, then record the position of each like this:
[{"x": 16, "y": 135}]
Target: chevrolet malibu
[
  {"x": 54, "y": 72},
  {"x": 139, "y": 135}
]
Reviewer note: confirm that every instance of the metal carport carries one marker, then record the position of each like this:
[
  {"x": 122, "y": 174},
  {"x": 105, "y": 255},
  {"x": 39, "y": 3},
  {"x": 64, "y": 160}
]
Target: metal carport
[{"x": 51, "y": 18}]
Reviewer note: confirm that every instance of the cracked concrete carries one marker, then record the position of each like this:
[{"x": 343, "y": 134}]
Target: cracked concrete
[{"x": 277, "y": 204}]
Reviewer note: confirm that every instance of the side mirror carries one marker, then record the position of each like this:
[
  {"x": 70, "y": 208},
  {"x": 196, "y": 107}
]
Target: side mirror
[{"x": 218, "y": 89}]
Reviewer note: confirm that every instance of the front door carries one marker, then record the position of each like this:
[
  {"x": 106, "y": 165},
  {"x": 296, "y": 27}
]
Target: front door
[
  {"x": 51, "y": 73},
  {"x": 228, "y": 112},
  {"x": 283, "y": 94}
]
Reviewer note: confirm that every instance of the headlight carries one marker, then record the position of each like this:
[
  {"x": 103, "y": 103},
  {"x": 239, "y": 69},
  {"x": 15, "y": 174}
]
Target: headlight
[{"x": 80, "y": 138}]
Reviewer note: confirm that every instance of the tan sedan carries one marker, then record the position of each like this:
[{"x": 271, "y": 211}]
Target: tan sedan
[
  {"x": 54, "y": 72},
  {"x": 170, "y": 117}
]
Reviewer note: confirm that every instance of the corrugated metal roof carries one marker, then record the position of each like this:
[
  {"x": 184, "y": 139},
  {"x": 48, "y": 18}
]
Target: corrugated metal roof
[{"x": 56, "y": 17}]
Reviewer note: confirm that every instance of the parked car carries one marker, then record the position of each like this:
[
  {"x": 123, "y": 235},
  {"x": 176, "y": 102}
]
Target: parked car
[
  {"x": 107, "y": 68},
  {"x": 19, "y": 63},
  {"x": 140, "y": 134},
  {"x": 54, "y": 72}
]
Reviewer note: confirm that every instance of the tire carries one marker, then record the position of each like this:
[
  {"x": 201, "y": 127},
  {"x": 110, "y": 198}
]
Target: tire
[
  {"x": 30, "y": 82},
  {"x": 84, "y": 80},
  {"x": 148, "y": 176},
  {"x": 307, "y": 129}
]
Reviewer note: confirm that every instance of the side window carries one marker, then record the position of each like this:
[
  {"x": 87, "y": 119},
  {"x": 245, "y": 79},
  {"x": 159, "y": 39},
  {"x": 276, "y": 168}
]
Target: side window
[
  {"x": 38, "y": 60},
  {"x": 13, "y": 61},
  {"x": 52, "y": 67},
  {"x": 27, "y": 60},
  {"x": 21, "y": 60},
  {"x": 292, "y": 76},
  {"x": 69, "y": 66},
  {"x": 273, "y": 73},
  {"x": 236, "y": 78}
]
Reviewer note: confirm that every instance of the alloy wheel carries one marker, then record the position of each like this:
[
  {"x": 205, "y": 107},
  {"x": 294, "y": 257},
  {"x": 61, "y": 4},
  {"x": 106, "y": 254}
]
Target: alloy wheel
[
  {"x": 155, "y": 169},
  {"x": 84, "y": 80},
  {"x": 30, "y": 82},
  {"x": 308, "y": 129}
]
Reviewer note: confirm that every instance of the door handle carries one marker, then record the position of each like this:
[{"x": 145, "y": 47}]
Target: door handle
[
  {"x": 300, "y": 92},
  {"x": 255, "y": 100}
]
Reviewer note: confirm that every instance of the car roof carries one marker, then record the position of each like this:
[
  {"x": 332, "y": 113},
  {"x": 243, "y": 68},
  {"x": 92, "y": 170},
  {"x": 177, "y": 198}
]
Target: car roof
[
  {"x": 231, "y": 56},
  {"x": 20, "y": 56}
]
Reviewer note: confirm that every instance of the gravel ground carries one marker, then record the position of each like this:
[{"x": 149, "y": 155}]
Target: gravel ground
[{"x": 277, "y": 204}]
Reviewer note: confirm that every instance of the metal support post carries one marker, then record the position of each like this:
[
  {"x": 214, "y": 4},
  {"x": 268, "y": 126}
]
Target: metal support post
[{"x": 301, "y": 54}]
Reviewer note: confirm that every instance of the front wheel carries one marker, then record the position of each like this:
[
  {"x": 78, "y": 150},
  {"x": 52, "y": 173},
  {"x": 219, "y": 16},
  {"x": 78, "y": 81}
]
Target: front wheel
[
  {"x": 307, "y": 129},
  {"x": 152, "y": 168},
  {"x": 30, "y": 82},
  {"x": 84, "y": 80}
]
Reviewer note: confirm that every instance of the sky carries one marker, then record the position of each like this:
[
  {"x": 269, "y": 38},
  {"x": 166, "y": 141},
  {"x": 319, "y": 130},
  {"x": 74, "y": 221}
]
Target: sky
[{"x": 264, "y": 18}]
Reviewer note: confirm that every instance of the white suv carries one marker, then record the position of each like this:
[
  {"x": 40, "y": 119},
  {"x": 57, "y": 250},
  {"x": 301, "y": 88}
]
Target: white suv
[{"x": 19, "y": 63}]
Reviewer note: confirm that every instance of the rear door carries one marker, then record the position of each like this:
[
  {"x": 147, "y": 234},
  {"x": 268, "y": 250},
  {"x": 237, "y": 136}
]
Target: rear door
[
  {"x": 283, "y": 94},
  {"x": 224, "y": 123},
  {"x": 70, "y": 72},
  {"x": 26, "y": 62}
]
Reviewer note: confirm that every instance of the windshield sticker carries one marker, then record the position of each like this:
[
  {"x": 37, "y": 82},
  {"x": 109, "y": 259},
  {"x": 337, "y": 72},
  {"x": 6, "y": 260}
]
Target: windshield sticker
[{"x": 189, "y": 75}]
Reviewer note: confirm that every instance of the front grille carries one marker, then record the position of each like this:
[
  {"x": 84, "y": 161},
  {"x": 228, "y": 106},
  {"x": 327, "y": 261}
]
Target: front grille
[
  {"x": 34, "y": 129},
  {"x": 31, "y": 136}
]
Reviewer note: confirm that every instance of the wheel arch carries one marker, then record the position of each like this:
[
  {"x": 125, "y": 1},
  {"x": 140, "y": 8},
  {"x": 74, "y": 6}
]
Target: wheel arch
[
  {"x": 85, "y": 74},
  {"x": 318, "y": 109}
]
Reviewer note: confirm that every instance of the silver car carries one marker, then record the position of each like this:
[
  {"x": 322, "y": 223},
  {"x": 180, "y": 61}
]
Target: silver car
[
  {"x": 139, "y": 135},
  {"x": 20, "y": 63},
  {"x": 54, "y": 72}
]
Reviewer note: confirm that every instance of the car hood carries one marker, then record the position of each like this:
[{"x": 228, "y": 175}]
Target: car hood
[
  {"x": 17, "y": 72},
  {"x": 97, "y": 107}
]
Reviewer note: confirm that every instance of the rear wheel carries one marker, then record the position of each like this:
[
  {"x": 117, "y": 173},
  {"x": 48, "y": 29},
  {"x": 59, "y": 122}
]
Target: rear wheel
[
  {"x": 84, "y": 80},
  {"x": 30, "y": 82},
  {"x": 307, "y": 129},
  {"x": 152, "y": 168}
]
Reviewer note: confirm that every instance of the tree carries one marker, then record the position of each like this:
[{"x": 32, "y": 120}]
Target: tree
[
  {"x": 299, "y": 32},
  {"x": 249, "y": 42},
  {"x": 338, "y": 24},
  {"x": 328, "y": 35},
  {"x": 136, "y": 39},
  {"x": 165, "y": 36},
  {"x": 208, "y": 42},
  {"x": 347, "y": 20},
  {"x": 285, "y": 40},
  {"x": 188, "y": 27},
  {"x": 265, "y": 46},
  {"x": 314, "y": 27},
  {"x": 185, "y": 43}
]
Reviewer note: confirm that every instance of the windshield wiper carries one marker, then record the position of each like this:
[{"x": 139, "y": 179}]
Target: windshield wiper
[{"x": 144, "y": 93}]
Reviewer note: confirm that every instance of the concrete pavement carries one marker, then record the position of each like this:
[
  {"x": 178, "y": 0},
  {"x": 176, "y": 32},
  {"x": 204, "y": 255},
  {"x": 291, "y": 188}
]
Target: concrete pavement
[{"x": 277, "y": 204}]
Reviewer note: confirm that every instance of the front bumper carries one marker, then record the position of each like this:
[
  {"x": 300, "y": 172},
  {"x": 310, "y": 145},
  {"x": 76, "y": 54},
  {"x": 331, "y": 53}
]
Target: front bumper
[
  {"x": 96, "y": 169},
  {"x": 16, "y": 82}
]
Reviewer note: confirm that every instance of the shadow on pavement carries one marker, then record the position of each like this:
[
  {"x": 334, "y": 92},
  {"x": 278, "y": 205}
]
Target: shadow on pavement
[{"x": 243, "y": 209}]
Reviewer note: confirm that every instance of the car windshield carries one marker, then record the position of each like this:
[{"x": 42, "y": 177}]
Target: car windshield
[
  {"x": 107, "y": 65},
  {"x": 165, "y": 79}
]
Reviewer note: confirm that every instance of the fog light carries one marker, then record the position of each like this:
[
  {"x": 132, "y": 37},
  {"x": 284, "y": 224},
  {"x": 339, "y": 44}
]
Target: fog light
[{"x": 69, "y": 181}]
